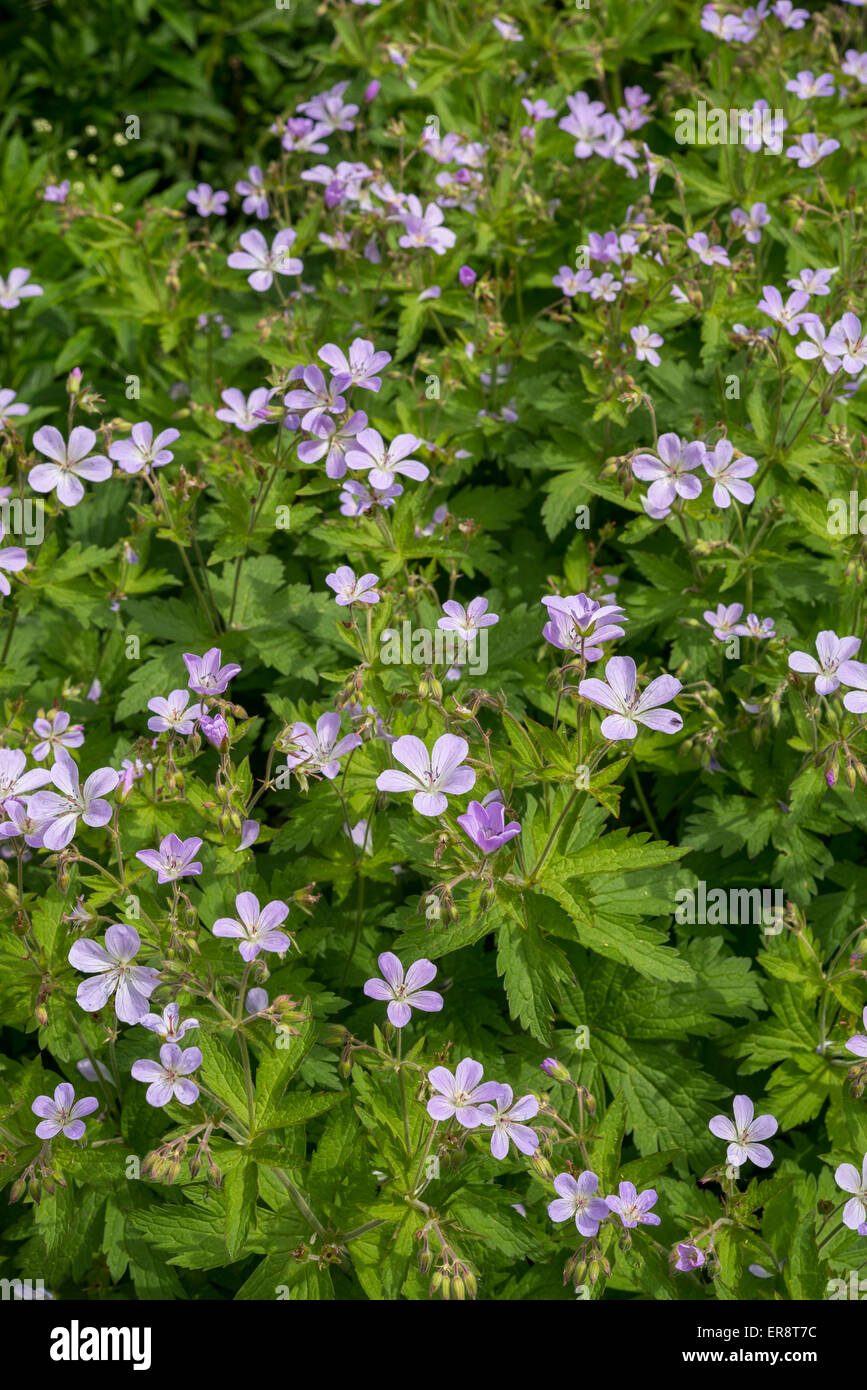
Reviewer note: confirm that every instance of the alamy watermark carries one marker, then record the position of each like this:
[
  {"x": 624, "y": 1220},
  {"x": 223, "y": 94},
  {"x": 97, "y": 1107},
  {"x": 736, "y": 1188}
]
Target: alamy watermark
[
  {"x": 730, "y": 907},
  {"x": 24, "y": 519},
  {"x": 422, "y": 646}
]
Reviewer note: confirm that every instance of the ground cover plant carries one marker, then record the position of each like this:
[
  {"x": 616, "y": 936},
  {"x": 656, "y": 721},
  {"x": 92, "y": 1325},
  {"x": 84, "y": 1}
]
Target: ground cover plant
[{"x": 432, "y": 632}]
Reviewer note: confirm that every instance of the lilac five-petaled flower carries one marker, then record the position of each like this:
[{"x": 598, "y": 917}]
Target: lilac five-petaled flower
[
  {"x": 385, "y": 463},
  {"x": 461, "y": 1094},
  {"x": 257, "y": 928},
  {"x": 55, "y": 733},
  {"x": 745, "y": 1135},
  {"x": 633, "y": 1207},
  {"x": 858, "y": 1043},
  {"x": 728, "y": 474},
  {"x": 832, "y": 652},
  {"x": 350, "y": 590},
  {"x": 207, "y": 675},
  {"x": 621, "y": 695},
  {"x": 850, "y": 1180},
  {"x": 466, "y": 621},
  {"x": 245, "y": 412},
  {"x": 485, "y": 825},
  {"x": 725, "y": 619},
  {"x": 577, "y": 624},
  {"x": 688, "y": 1257},
  {"x": 506, "y": 1121},
  {"x": 320, "y": 750},
  {"x": 142, "y": 450},
  {"x": 70, "y": 803},
  {"x": 112, "y": 969},
  {"x": 63, "y": 1113},
  {"x": 169, "y": 1025},
  {"x": 431, "y": 776},
  {"x": 361, "y": 365},
  {"x": 577, "y": 1198},
  {"x": 173, "y": 715},
  {"x": 265, "y": 263},
  {"x": 405, "y": 991},
  {"x": 169, "y": 1077},
  {"x": 671, "y": 473},
  {"x": 175, "y": 858},
  {"x": 70, "y": 462}
]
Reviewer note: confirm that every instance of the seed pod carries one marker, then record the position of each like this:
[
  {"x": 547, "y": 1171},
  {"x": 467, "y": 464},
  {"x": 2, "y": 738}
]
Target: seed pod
[
  {"x": 435, "y": 1282},
  {"x": 471, "y": 1283},
  {"x": 436, "y": 689},
  {"x": 41, "y": 1015},
  {"x": 446, "y": 1288},
  {"x": 459, "y": 1288},
  {"x": 16, "y": 1192}
]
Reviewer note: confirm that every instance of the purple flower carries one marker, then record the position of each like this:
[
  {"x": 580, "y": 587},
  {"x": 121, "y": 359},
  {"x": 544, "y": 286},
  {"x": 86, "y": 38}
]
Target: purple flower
[
  {"x": 808, "y": 150},
  {"x": 577, "y": 1199},
  {"x": 467, "y": 622},
  {"x": 849, "y": 1179},
  {"x": 360, "y": 366},
  {"x": 356, "y": 499},
  {"x": 806, "y": 86},
  {"x": 724, "y": 619},
  {"x": 333, "y": 439},
  {"x": 207, "y": 200},
  {"x": 404, "y": 991},
  {"x": 350, "y": 590},
  {"x": 572, "y": 282},
  {"x": 856, "y": 65},
  {"x": 8, "y": 410},
  {"x": 425, "y": 229},
  {"x": 847, "y": 342},
  {"x": 14, "y": 781},
  {"x": 329, "y": 110},
  {"x": 430, "y": 775},
  {"x": 573, "y": 620},
  {"x": 634, "y": 1208},
  {"x": 142, "y": 450},
  {"x": 320, "y": 751},
  {"x": 215, "y": 729},
  {"x": 689, "y": 1257},
  {"x": 249, "y": 834},
  {"x": 55, "y": 733},
  {"x": 467, "y": 276},
  {"x": 243, "y": 412},
  {"x": 753, "y": 627},
  {"x": 385, "y": 463},
  {"x": 485, "y": 825},
  {"x": 814, "y": 282},
  {"x": 858, "y": 1044},
  {"x": 303, "y": 136},
  {"x": 316, "y": 397},
  {"x": 257, "y": 928},
  {"x": 789, "y": 315},
  {"x": 253, "y": 190},
  {"x": 168, "y": 1076},
  {"x": 620, "y": 694},
  {"x": 71, "y": 463},
  {"x": 461, "y": 1094},
  {"x": 64, "y": 810},
  {"x": 752, "y": 221},
  {"x": 728, "y": 474},
  {"x": 671, "y": 473},
  {"x": 207, "y": 675},
  {"x": 707, "y": 254},
  {"x": 21, "y": 825},
  {"x": 168, "y": 1024},
  {"x": 538, "y": 110},
  {"x": 746, "y": 1134},
  {"x": 172, "y": 714},
  {"x": 174, "y": 858},
  {"x": 646, "y": 344},
  {"x": 506, "y": 1122},
  {"x": 15, "y": 288},
  {"x": 833, "y": 651},
  {"x": 789, "y": 16},
  {"x": 113, "y": 969},
  {"x": 56, "y": 192},
  {"x": 263, "y": 263},
  {"x": 63, "y": 1113}
]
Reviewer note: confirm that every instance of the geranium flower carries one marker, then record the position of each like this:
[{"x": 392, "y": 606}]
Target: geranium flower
[
  {"x": 854, "y": 674},
  {"x": 329, "y": 109},
  {"x": 707, "y": 254},
  {"x": 858, "y": 1044},
  {"x": 320, "y": 751},
  {"x": 813, "y": 281},
  {"x": 21, "y": 825},
  {"x": 754, "y": 627},
  {"x": 806, "y": 86},
  {"x": 333, "y": 440},
  {"x": 12, "y": 558},
  {"x": 507, "y": 1123},
  {"x": 14, "y": 781},
  {"x": 169, "y": 1077},
  {"x": 142, "y": 450},
  {"x": 174, "y": 858},
  {"x": 689, "y": 1257},
  {"x": 789, "y": 315},
  {"x": 71, "y": 463},
  {"x": 245, "y": 413},
  {"x": 112, "y": 969},
  {"x": 207, "y": 675},
  {"x": 207, "y": 200},
  {"x": 728, "y": 474},
  {"x": 56, "y": 192},
  {"x": 789, "y": 16},
  {"x": 350, "y": 590},
  {"x": 15, "y": 288},
  {"x": 849, "y": 1179},
  {"x": 63, "y": 1113},
  {"x": 360, "y": 366},
  {"x": 317, "y": 395},
  {"x": 253, "y": 191},
  {"x": 215, "y": 729},
  {"x": 809, "y": 149},
  {"x": 746, "y": 1134},
  {"x": 670, "y": 474},
  {"x": 303, "y": 136},
  {"x": 577, "y": 623},
  {"x": 72, "y": 804},
  {"x": 856, "y": 65},
  {"x": 461, "y": 1094},
  {"x": 621, "y": 695},
  {"x": 847, "y": 342},
  {"x": 55, "y": 733},
  {"x": 8, "y": 409},
  {"x": 752, "y": 222},
  {"x": 431, "y": 776},
  {"x": 577, "y": 1199},
  {"x": 832, "y": 651},
  {"x": 405, "y": 991},
  {"x": 724, "y": 619},
  {"x": 820, "y": 345},
  {"x": 385, "y": 463},
  {"x": 356, "y": 499},
  {"x": 263, "y": 263},
  {"x": 572, "y": 282},
  {"x": 257, "y": 928},
  {"x": 485, "y": 825},
  {"x": 425, "y": 229},
  {"x": 467, "y": 622},
  {"x": 646, "y": 344},
  {"x": 172, "y": 714},
  {"x": 168, "y": 1025},
  {"x": 633, "y": 1207}
]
